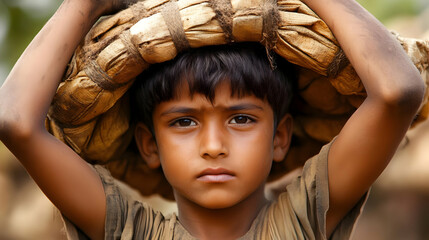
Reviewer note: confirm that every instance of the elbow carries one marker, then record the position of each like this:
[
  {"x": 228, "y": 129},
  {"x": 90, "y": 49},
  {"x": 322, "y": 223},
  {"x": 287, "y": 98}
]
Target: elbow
[
  {"x": 13, "y": 130},
  {"x": 15, "y": 133},
  {"x": 12, "y": 126},
  {"x": 413, "y": 95},
  {"x": 408, "y": 97},
  {"x": 5, "y": 128},
  {"x": 4, "y": 121}
]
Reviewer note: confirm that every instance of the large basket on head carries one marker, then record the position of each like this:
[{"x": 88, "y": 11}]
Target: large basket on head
[{"x": 90, "y": 111}]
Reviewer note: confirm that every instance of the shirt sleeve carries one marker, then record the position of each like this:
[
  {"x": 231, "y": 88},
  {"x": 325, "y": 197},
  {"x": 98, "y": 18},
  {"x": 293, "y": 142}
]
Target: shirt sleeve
[
  {"x": 302, "y": 208},
  {"x": 126, "y": 218}
]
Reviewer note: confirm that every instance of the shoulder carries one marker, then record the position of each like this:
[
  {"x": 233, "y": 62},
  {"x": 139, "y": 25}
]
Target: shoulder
[
  {"x": 127, "y": 213},
  {"x": 302, "y": 208}
]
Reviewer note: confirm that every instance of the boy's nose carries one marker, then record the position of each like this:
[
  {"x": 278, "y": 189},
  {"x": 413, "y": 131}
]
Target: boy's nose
[{"x": 213, "y": 142}]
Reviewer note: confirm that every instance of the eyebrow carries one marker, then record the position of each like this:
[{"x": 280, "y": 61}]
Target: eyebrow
[
  {"x": 244, "y": 106},
  {"x": 178, "y": 110},
  {"x": 237, "y": 107}
]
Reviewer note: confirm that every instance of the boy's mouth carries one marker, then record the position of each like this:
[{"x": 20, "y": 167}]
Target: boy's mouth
[{"x": 215, "y": 175}]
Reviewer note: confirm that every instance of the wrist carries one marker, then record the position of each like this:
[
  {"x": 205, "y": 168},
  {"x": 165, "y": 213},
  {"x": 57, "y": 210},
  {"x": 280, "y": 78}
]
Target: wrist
[
  {"x": 91, "y": 10},
  {"x": 106, "y": 7}
]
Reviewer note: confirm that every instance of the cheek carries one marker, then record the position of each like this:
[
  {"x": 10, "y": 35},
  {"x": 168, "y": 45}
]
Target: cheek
[
  {"x": 176, "y": 157},
  {"x": 256, "y": 153},
  {"x": 258, "y": 143}
]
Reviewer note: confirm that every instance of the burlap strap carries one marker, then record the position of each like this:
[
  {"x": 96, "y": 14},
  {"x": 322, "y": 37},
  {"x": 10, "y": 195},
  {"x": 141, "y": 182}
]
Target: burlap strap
[
  {"x": 100, "y": 77},
  {"x": 270, "y": 15},
  {"x": 339, "y": 63},
  {"x": 139, "y": 10},
  {"x": 170, "y": 13},
  {"x": 126, "y": 40},
  {"x": 224, "y": 15}
]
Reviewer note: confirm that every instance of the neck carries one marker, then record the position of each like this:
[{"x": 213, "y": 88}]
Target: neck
[{"x": 226, "y": 223}]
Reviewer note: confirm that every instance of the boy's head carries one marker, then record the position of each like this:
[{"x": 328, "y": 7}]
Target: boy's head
[
  {"x": 244, "y": 66},
  {"x": 214, "y": 118}
]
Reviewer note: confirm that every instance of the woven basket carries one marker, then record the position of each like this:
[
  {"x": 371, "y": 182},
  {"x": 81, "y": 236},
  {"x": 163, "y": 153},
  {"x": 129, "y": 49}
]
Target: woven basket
[{"x": 90, "y": 111}]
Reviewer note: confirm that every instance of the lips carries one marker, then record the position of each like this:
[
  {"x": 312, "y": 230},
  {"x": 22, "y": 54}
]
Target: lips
[{"x": 216, "y": 175}]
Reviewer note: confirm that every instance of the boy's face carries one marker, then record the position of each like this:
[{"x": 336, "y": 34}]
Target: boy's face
[{"x": 214, "y": 154}]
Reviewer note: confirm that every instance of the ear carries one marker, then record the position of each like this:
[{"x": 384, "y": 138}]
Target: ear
[
  {"x": 147, "y": 145},
  {"x": 282, "y": 138}
]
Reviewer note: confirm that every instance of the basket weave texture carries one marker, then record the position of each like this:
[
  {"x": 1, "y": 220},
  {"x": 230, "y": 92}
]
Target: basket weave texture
[{"x": 90, "y": 110}]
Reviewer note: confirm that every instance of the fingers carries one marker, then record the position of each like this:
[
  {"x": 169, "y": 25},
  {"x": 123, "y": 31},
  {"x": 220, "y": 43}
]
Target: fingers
[
  {"x": 106, "y": 7},
  {"x": 121, "y": 4}
]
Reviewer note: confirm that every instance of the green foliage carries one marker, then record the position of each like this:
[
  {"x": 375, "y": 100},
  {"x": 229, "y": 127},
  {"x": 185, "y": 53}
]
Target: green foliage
[
  {"x": 23, "y": 25},
  {"x": 385, "y": 9},
  {"x": 22, "y": 28}
]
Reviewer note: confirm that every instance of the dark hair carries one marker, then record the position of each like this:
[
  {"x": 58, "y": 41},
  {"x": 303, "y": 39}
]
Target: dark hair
[{"x": 245, "y": 66}]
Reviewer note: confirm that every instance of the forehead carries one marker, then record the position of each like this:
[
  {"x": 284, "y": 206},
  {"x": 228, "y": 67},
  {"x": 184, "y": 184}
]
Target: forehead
[
  {"x": 221, "y": 90},
  {"x": 223, "y": 98}
]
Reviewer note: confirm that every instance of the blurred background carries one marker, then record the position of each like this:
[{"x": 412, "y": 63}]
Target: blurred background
[{"x": 398, "y": 207}]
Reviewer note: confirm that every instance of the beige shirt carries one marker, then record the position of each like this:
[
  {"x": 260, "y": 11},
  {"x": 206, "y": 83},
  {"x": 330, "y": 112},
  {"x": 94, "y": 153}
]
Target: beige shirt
[{"x": 299, "y": 212}]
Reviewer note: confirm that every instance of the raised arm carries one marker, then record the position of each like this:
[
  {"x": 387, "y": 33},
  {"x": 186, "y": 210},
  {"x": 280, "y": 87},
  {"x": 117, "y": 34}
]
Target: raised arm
[
  {"x": 24, "y": 101},
  {"x": 395, "y": 90}
]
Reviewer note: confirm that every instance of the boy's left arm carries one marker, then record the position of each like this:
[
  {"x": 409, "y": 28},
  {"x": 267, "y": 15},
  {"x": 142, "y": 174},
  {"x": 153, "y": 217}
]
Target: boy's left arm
[{"x": 395, "y": 90}]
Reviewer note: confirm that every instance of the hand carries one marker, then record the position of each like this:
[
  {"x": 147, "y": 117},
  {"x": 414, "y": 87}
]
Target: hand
[{"x": 105, "y": 7}]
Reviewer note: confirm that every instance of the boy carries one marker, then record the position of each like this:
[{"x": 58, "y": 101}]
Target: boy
[{"x": 216, "y": 151}]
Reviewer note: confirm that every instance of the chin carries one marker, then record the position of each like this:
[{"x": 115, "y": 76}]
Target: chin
[
  {"x": 218, "y": 202},
  {"x": 217, "y": 205}
]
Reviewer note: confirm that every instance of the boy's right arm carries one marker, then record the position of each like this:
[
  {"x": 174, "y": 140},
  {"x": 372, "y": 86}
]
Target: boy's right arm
[
  {"x": 63, "y": 176},
  {"x": 394, "y": 89}
]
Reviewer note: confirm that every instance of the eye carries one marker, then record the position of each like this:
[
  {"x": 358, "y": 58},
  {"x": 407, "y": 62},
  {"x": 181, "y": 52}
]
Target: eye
[
  {"x": 241, "y": 119},
  {"x": 183, "y": 122}
]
